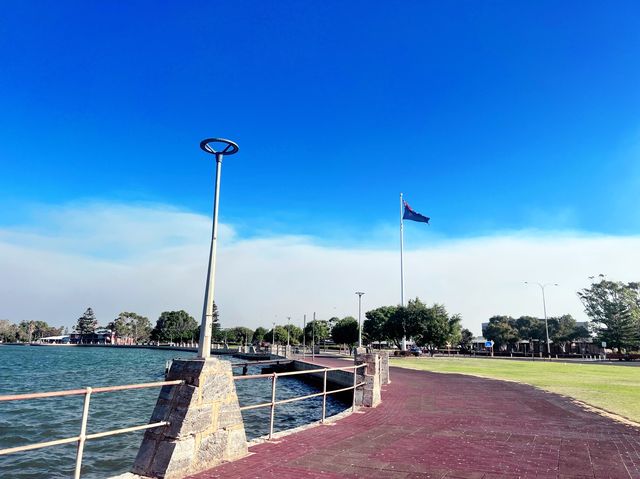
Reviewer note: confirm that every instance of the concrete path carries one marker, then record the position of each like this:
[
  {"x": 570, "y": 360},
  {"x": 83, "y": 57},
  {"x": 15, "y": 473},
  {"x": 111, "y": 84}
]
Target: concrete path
[{"x": 451, "y": 426}]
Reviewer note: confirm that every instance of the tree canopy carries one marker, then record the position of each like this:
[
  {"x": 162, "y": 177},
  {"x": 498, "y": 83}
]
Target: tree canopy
[
  {"x": 86, "y": 323},
  {"x": 318, "y": 330},
  {"x": 175, "y": 326},
  {"x": 614, "y": 309},
  {"x": 345, "y": 331}
]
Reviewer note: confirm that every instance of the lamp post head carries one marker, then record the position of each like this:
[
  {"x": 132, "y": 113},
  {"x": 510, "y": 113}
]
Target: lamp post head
[
  {"x": 359, "y": 293},
  {"x": 219, "y": 146}
]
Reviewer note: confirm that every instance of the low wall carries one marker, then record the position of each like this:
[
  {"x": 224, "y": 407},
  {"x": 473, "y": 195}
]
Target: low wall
[{"x": 342, "y": 379}]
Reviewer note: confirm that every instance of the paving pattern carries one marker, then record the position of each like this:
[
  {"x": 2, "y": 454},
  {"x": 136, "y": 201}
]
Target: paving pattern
[{"x": 451, "y": 426}]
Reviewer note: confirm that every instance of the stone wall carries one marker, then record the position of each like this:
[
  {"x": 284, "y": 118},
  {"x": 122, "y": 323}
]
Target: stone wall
[{"x": 205, "y": 427}]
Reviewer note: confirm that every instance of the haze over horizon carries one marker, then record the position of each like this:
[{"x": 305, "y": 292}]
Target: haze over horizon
[{"x": 513, "y": 126}]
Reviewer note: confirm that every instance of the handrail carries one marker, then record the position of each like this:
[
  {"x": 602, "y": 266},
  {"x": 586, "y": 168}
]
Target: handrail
[
  {"x": 274, "y": 377},
  {"x": 76, "y": 392},
  {"x": 83, "y": 437}
]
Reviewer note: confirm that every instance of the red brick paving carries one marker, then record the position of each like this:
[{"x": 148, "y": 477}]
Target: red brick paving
[{"x": 451, "y": 426}]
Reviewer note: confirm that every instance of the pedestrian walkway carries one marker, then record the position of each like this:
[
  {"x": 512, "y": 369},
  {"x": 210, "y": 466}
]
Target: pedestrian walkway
[{"x": 451, "y": 426}]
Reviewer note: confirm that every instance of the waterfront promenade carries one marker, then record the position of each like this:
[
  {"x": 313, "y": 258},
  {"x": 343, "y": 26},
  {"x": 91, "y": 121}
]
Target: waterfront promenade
[{"x": 451, "y": 426}]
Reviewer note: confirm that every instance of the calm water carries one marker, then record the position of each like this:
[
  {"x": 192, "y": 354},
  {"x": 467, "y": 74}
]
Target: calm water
[{"x": 35, "y": 369}]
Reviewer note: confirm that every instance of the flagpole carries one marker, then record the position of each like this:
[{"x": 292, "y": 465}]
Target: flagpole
[{"x": 404, "y": 338}]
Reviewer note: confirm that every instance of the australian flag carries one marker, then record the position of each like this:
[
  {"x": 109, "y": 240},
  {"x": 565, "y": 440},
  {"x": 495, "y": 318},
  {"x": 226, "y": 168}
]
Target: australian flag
[{"x": 409, "y": 214}]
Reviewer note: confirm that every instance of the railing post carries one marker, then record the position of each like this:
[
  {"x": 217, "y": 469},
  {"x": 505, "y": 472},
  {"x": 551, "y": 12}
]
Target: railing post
[
  {"x": 324, "y": 396},
  {"x": 273, "y": 404},
  {"x": 355, "y": 381},
  {"x": 83, "y": 433}
]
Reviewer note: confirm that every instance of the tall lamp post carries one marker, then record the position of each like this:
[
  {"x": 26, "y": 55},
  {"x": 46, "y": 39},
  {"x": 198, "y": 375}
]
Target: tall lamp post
[
  {"x": 359, "y": 293},
  {"x": 220, "y": 148},
  {"x": 544, "y": 308}
]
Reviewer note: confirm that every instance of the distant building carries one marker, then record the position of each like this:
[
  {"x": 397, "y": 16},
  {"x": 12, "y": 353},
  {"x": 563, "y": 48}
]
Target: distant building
[
  {"x": 64, "y": 339},
  {"x": 99, "y": 336}
]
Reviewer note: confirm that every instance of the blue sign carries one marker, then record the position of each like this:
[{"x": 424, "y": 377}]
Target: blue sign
[{"x": 488, "y": 344}]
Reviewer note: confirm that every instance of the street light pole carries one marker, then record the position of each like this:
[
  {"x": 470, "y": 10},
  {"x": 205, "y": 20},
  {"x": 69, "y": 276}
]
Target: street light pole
[
  {"x": 359, "y": 293},
  {"x": 220, "y": 148},
  {"x": 544, "y": 308},
  {"x": 288, "y": 330}
]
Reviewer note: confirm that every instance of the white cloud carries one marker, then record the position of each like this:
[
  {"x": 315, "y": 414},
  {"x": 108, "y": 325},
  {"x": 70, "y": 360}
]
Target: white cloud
[{"x": 151, "y": 258}]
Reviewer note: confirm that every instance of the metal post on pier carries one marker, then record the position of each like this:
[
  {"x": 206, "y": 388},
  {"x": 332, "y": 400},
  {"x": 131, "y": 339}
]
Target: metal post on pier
[
  {"x": 220, "y": 148},
  {"x": 273, "y": 404},
  {"x": 83, "y": 433},
  {"x": 324, "y": 396}
]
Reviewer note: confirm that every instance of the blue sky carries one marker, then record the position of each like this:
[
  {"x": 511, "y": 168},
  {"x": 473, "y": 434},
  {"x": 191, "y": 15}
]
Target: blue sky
[
  {"x": 493, "y": 117},
  {"x": 488, "y": 115}
]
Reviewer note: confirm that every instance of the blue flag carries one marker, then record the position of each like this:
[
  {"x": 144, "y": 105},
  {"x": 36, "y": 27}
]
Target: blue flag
[{"x": 409, "y": 214}]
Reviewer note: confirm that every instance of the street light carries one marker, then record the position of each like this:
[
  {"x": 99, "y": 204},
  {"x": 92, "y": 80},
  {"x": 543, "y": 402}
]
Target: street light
[
  {"x": 359, "y": 293},
  {"x": 220, "y": 148},
  {"x": 544, "y": 307},
  {"x": 288, "y": 329}
]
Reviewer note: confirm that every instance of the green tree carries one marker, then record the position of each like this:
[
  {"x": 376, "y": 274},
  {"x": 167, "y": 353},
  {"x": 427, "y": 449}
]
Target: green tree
[
  {"x": 295, "y": 334},
  {"x": 345, "y": 331},
  {"x": 317, "y": 330},
  {"x": 614, "y": 309},
  {"x": 87, "y": 323},
  {"x": 431, "y": 326},
  {"x": 466, "y": 340},
  {"x": 374, "y": 327},
  {"x": 239, "y": 335},
  {"x": 120, "y": 327},
  {"x": 8, "y": 331},
  {"x": 259, "y": 335},
  {"x": 140, "y": 327},
  {"x": 564, "y": 329},
  {"x": 398, "y": 325},
  {"x": 501, "y": 330},
  {"x": 280, "y": 335},
  {"x": 175, "y": 326}
]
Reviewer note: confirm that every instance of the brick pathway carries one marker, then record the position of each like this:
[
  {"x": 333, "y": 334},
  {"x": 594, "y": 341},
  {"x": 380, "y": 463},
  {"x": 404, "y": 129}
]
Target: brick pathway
[{"x": 451, "y": 426}]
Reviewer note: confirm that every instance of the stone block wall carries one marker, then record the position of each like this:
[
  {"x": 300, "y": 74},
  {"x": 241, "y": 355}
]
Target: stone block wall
[{"x": 205, "y": 427}]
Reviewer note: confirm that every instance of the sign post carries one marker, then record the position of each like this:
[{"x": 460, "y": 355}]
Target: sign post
[{"x": 489, "y": 344}]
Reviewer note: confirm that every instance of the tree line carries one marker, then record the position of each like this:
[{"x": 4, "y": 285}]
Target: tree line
[
  {"x": 613, "y": 308},
  {"x": 26, "y": 331},
  {"x": 427, "y": 326}
]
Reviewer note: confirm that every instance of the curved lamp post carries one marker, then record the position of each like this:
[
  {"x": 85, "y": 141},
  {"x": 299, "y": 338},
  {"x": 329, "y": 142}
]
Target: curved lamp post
[
  {"x": 220, "y": 148},
  {"x": 544, "y": 307}
]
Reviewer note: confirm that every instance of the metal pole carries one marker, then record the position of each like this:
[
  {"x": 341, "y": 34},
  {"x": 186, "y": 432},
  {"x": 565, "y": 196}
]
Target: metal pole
[
  {"x": 313, "y": 337},
  {"x": 355, "y": 381},
  {"x": 324, "y": 396},
  {"x": 204, "y": 346},
  {"x": 304, "y": 336},
  {"x": 544, "y": 308},
  {"x": 404, "y": 337},
  {"x": 288, "y": 330},
  {"x": 359, "y": 293},
  {"x": 83, "y": 433},
  {"x": 273, "y": 335},
  {"x": 546, "y": 323},
  {"x": 273, "y": 404}
]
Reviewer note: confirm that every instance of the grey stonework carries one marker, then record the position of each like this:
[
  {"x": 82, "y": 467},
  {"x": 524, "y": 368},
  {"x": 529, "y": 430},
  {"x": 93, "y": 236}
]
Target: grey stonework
[
  {"x": 369, "y": 395},
  {"x": 205, "y": 427},
  {"x": 384, "y": 367}
]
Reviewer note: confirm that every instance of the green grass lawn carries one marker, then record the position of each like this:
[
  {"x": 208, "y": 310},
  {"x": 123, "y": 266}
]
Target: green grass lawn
[{"x": 613, "y": 388}]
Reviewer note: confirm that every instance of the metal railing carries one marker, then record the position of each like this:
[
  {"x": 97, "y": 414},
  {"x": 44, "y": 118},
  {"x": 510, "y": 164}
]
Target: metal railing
[
  {"x": 83, "y": 436},
  {"x": 274, "y": 378}
]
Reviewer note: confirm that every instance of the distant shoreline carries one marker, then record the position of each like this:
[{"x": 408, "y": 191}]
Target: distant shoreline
[{"x": 221, "y": 352}]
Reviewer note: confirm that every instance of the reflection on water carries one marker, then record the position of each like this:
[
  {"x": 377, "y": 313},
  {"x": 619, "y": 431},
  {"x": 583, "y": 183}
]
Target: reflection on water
[{"x": 35, "y": 369}]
